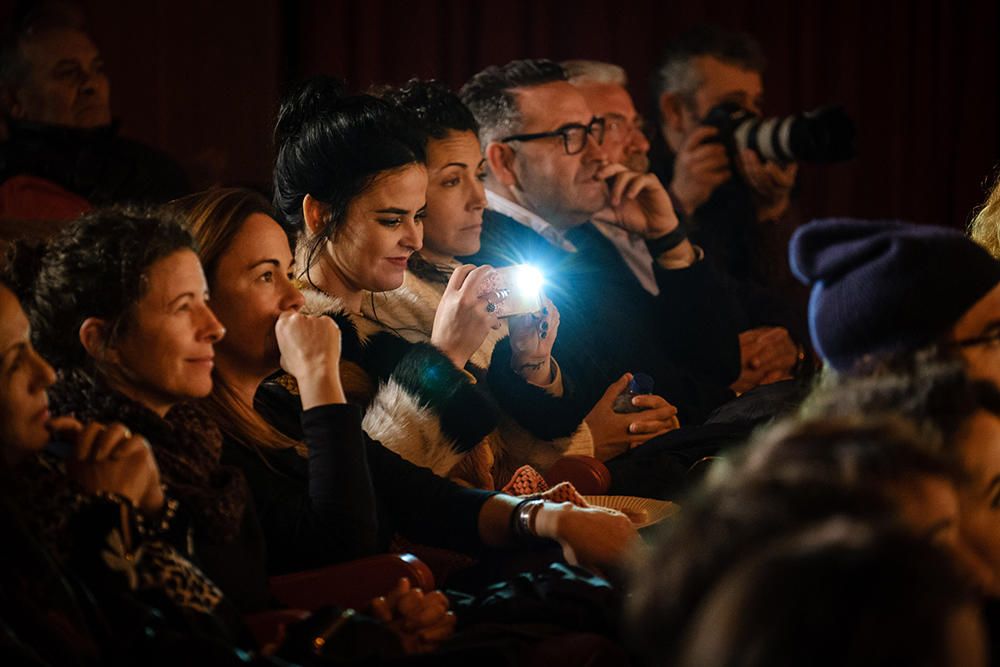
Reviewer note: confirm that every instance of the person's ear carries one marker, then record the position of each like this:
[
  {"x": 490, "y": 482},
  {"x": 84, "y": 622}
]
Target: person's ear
[
  {"x": 94, "y": 336},
  {"x": 315, "y": 213},
  {"x": 672, "y": 111},
  {"x": 500, "y": 160},
  {"x": 10, "y": 104}
]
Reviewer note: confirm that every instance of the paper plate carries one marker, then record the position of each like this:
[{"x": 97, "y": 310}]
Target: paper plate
[{"x": 643, "y": 511}]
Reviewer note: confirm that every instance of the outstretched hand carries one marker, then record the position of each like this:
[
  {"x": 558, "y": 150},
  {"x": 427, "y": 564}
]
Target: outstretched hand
[{"x": 590, "y": 536}]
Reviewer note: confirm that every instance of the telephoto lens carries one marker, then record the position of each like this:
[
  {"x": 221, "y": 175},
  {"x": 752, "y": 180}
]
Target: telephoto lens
[{"x": 823, "y": 135}]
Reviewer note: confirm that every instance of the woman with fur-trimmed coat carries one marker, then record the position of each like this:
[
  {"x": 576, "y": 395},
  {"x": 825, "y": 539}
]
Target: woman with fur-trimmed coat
[
  {"x": 476, "y": 426},
  {"x": 454, "y": 217}
]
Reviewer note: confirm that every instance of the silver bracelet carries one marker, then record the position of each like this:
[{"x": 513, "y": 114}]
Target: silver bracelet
[{"x": 523, "y": 519}]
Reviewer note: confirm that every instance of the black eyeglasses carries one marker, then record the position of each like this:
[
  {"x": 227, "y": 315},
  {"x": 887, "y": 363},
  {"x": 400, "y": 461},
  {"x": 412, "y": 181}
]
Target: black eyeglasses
[{"x": 574, "y": 135}]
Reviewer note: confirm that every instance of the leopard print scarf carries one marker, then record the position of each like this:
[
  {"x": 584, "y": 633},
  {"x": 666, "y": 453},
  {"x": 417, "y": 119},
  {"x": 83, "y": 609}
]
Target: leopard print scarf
[{"x": 187, "y": 445}]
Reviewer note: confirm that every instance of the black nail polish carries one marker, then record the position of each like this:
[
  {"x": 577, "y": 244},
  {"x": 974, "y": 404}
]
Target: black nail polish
[
  {"x": 545, "y": 326},
  {"x": 544, "y": 334}
]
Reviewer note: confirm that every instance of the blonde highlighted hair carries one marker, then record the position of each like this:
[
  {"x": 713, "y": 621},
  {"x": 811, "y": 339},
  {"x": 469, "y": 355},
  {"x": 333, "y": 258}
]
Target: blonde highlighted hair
[{"x": 985, "y": 227}]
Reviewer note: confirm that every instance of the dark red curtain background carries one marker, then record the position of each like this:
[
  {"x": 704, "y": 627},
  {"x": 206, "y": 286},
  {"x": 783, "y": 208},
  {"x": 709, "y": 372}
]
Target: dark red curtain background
[{"x": 202, "y": 80}]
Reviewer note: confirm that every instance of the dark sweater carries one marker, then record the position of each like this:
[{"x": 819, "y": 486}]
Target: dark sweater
[
  {"x": 96, "y": 164},
  {"x": 318, "y": 510},
  {"x": 328, "y": 509},
  {"x": 610, "y": 325}
]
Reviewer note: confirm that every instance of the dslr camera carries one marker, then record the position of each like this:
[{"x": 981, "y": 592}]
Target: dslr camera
[{"x": 823, "y": 135}]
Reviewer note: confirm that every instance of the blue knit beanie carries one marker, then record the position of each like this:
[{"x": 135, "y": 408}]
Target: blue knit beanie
[{"x": 883, "y": 287}]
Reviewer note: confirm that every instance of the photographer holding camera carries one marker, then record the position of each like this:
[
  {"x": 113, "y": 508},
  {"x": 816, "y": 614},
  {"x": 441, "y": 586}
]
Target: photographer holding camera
[
  {"x": 698, "y": 71},
  {"x": 739, "y": 219}
]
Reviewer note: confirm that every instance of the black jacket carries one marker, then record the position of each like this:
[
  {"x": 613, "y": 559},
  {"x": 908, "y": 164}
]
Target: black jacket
[{"x": 610, "y": 325}]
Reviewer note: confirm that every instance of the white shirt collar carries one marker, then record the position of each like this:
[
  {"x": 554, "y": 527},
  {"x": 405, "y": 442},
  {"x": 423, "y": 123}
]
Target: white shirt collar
[{"x": 523, "y": 216}]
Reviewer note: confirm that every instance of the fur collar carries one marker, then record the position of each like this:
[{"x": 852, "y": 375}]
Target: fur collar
[{"x": 409, "y": 312}]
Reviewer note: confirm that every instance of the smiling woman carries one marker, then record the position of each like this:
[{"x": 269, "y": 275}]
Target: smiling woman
[
  {"x": 90, "y": 537},
  {"x": 119, "y": 304}
]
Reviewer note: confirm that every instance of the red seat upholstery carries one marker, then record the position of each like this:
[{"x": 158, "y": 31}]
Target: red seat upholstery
[
  {"x": 587, "y": 474},
  {"x": 351, "y": 584}
]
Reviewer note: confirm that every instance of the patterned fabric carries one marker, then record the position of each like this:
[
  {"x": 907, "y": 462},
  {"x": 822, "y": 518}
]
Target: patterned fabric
[
  {"x": 150, "y": 565},
  {"x": 526, "y": 481},
  {"x": 187, "y": 445}
]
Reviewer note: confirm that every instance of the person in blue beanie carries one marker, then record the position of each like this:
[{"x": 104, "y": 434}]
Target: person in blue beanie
[{"x": 885, "y": 291}]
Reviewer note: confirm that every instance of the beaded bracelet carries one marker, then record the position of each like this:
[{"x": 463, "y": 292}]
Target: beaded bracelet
[{"x": 170, "y": 506}]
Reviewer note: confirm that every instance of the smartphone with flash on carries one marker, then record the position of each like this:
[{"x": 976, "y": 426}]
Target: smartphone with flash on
[{"x": 514, "y": 290}]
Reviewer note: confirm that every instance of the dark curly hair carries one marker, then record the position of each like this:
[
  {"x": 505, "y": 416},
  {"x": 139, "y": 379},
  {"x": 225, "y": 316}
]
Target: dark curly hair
[
  {"x": 333, "y": 146},
  {"x": 490, "y": 94},
  {"x": 439, "y": 110},
  {"x": 95, "y": 267}
]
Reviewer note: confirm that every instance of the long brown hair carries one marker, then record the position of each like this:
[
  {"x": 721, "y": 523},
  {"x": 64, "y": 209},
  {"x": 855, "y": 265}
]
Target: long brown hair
[{"x": 214, "y": 218}]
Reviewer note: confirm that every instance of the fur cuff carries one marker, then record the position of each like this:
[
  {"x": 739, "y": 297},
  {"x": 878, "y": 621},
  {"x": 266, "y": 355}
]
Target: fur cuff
[{"x": 467, "y": 414}]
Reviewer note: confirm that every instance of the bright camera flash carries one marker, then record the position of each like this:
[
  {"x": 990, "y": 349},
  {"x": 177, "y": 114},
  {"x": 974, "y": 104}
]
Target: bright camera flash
[{"x": 528, "y": 280}]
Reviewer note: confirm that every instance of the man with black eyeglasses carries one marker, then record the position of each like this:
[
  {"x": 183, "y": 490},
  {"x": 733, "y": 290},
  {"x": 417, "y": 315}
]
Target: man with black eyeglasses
[{"x": 548, "y": 176}]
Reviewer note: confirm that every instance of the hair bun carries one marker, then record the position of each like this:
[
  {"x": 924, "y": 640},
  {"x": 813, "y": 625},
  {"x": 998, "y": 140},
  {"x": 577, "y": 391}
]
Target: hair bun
[{"x": 314, "y": 98}]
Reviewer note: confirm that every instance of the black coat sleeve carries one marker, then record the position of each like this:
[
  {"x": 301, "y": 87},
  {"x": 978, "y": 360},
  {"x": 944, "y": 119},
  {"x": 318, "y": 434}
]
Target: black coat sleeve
[
  {"x": 423, "y": 507},
  {"x": 466, "y": 413},
  {"x": 329, "y": 518}
]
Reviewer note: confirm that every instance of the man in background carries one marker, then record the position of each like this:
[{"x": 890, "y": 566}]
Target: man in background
[
  {"x": 62, "y": 154},
  {"x": 768, "y": 352}
]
